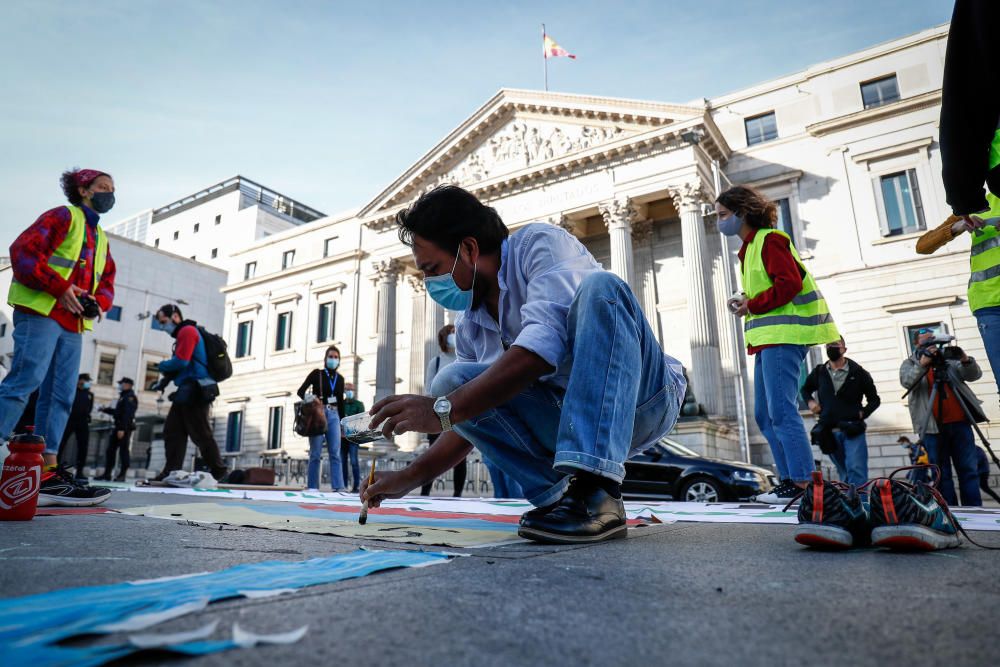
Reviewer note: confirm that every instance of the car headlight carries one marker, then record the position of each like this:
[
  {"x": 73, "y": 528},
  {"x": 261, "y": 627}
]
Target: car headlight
[{"x": 745, "y": 476}]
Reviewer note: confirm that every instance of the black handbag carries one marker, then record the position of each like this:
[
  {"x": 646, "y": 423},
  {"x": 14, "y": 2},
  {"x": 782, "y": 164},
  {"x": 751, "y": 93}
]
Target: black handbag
[
  {"x": 852, "y": 428},
  {"x": 310, "y": 418},
  {"x": 822, "y": 437}
]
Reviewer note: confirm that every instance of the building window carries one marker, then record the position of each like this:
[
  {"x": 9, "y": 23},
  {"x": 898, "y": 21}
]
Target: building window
[
  {"x": 152, "y": 374},
  {"x": 106, "y": 369},
  {"x": 283, "y": 335},
  {"x": 785, "y": 217},
  {"x": 215, "y": 253},
  {"x": 326, "y": 323},
  {"x": 3, "y": 330},
  {"x": 250, "y": 270},
  {"x": 761, "y": 128},
  {"x": 197, "y": 226},
  {"x": 287, "y": 259},
  {"x": 234, "y": 431},
  {"x": 880, "y": 91},
  {"x": 911, "y": 333},
  {"x": 244, "y": 338},
  {"x": 114, "y": 314},
  {"x": 328, "y": 246},
  {"x": 218, "y": 219},
  {"x": 903, "y": 210},
  {"x": 274, "y": 427},
  {"x": 177, "y": 235},
  {"x": 156, "y": 243}
]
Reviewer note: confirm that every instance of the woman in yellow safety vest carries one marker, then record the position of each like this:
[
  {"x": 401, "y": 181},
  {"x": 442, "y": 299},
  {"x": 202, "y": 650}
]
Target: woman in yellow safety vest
[{"x": 784, "y": 314}]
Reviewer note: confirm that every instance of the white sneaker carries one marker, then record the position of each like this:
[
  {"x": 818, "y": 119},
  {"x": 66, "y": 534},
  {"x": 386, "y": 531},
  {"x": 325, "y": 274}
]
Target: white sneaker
[
  {"x": 779, "y": 495},
  {"x": 191, "y": 480}
]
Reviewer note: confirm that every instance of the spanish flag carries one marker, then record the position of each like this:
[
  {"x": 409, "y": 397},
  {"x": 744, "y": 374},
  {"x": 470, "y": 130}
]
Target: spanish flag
[{"x": 552, "y": 50}]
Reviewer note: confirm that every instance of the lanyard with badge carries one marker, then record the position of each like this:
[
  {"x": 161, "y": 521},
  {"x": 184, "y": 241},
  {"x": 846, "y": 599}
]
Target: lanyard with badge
[{"x": 332, "y": 398}]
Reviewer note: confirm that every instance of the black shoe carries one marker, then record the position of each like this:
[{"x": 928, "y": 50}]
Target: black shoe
[
  {"x": 220, "y": 473},
  {"x": 104, "y": 478},
  {"x": 59, "y": 489},
  {"x": 355, "y": 490},
  {"x": 911, "y": 517},
  {"x": 586, "y": 513},
  {"x": 160, "y": 477},
  {"x": 537, "y": 513},
  {"x": 782, "y": 494},
  {"x": 832, "y": 516},
  {"x": 120, "y": 478}
]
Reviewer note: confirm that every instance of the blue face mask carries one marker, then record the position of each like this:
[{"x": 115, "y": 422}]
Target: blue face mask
[
  {"x": 349, "y": 394},
  {"x": 169, "y": 327},
  {"x": 445, "y": 291},
  {"x": 731, "y": 225},
  {"x": 332, "y": 363},
  {"x": 86, "y": 385}
]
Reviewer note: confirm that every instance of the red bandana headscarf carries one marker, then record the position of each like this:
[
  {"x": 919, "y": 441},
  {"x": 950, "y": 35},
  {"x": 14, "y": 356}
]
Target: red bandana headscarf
[{"x": 84, "y": 177}]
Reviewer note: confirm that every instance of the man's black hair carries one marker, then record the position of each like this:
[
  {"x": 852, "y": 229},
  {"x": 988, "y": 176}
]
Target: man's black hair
[
  {"x": 446, "y": 215},
  {"x": 169, "y": 310}
]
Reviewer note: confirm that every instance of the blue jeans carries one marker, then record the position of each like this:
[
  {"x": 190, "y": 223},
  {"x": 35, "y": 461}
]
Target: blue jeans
[
  {"x": 503, "y": 486},
  {"x": 349, "y": 451},
  {"x": 851, "y": 458},
  {"x": 621, "y": 396},
  {"x": 955, "y": 444},
  {"x": 988, "y": 320},
  {"x": 776, "y": 409},
  {"x": 332, "y": 440},
  {"x": 47, "y": 358}
]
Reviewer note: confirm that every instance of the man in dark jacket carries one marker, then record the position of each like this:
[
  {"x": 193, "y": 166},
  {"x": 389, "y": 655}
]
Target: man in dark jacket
[
  {"x": 834, "y": 391},
  {"x": 124, "y": 414},
  {"x": 79, "y": 425}
]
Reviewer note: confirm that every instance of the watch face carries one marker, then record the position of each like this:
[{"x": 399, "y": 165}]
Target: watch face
[{"x": 442, "y": 406}]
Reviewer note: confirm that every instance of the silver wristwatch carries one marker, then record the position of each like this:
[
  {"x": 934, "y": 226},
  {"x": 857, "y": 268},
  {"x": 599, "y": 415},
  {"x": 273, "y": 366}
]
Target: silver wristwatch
[{"x": 442, "y": 408}]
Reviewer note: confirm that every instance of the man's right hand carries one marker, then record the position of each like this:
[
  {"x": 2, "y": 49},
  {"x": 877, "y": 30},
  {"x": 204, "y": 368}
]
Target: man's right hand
[
  {"x": 386, "y": 485},
  {"x": 69, "y": 301},
  {"x": 925, "y": 359},
  {"x": 814, "y": 407}
]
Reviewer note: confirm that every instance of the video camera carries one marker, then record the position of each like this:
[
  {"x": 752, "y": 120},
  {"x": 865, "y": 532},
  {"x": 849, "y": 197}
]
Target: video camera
[{"x": 939, "y": 350}]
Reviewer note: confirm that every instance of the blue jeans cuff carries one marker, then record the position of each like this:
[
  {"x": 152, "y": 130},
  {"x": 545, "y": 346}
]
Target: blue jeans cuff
[
  {"x": 569, "y": 461},
  {"x": 552, "y": 495}
]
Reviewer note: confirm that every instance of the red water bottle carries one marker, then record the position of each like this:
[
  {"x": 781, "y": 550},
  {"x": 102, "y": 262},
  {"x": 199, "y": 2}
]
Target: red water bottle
[{"x": 22, "y": 477}]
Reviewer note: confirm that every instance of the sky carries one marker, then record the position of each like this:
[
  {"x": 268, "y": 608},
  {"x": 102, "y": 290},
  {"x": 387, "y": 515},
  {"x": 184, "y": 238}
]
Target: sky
[{"x": 329, "y": 102}]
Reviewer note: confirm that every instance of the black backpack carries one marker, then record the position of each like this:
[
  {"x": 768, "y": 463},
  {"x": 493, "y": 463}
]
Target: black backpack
[{"x": 220, "y": 367}]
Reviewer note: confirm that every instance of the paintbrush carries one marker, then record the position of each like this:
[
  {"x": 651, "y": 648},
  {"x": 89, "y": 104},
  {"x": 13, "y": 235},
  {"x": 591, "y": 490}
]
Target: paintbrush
[{"x": 363, "y": 517}]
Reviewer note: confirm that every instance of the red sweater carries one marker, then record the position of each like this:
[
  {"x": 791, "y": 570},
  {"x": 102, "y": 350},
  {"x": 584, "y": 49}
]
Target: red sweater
[
  {"x": 782, "y": 269},
  {"x": 30, "y": 254}
]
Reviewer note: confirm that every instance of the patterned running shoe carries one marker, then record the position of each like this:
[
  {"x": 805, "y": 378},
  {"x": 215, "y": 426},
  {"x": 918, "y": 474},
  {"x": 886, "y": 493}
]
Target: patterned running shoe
[
  {"x": 58, "y": 488},
  {"x": 911, "y": 517},
  {"x": 832, "y": 515}
]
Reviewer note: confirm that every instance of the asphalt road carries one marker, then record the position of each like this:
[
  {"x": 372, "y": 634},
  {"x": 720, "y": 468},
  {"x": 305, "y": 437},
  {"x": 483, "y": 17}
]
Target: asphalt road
[{"x": 679, "y": 594}]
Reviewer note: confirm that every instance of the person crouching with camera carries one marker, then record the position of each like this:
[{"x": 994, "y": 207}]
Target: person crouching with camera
[
  {"x": 63, "y": 279},
  {"x": 833, "y": 391},
  {"x": 943, "y": 409}
]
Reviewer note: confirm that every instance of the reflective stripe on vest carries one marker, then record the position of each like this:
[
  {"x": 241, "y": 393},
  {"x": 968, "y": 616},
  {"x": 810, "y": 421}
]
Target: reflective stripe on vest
[
  {"x": 805, "y": 320},
  {"x": 63, "y": 261},
  {"x": 984, "y": 261}
]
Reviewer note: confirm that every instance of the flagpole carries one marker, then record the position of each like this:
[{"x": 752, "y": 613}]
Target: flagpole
[{"x": 545, "y": 59}]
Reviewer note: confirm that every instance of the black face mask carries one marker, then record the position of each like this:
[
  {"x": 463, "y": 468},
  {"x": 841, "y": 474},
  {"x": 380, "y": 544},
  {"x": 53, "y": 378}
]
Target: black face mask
[
  {"x": 102, "y": 202},
  {"x": 834, "y": 354}
]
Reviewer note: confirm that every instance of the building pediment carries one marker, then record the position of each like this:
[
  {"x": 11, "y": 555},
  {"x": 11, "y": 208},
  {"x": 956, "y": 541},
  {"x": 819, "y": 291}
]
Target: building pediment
[{"x": 520, "y": 132}]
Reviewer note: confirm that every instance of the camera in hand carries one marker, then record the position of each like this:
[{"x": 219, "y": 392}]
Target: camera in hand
[
  {"x": 160, "y": 384},
  {"x": 90, "y": 308},
  {"x": 939, "y": 350}
]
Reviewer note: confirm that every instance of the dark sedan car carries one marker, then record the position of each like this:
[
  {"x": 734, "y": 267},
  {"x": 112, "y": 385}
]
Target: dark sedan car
[{"x": 668, "y": 470}]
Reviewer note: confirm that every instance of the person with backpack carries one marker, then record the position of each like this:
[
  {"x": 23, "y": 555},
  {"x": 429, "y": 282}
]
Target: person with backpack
[
  {"x": 199, "y": 362},
  {"x": 327, "y": 385}
]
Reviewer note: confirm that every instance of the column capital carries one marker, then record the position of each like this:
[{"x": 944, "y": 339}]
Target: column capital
[
  {"x": 688, "y": 196},
  {"x": 619, "y": 212},
  {"x": 416, "y": 284},
  {"x": 642, "y": 230},
  {"x": 387, "y": 269}
]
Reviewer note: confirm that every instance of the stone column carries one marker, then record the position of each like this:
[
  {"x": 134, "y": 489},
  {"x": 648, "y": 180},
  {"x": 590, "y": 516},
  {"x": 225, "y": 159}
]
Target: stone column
[
  {"x": 618, "y": 215},
  {"x": 387, "y": 272},
  {"x": 434, "y": 318},
  {"x": 418, "y": 340},
  {"x": 645, "y": 273},
  {"x": 705, "y": 371}
]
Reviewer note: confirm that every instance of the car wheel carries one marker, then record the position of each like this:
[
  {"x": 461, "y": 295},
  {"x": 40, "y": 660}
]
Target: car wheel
[{"x": 702, "y": 490}]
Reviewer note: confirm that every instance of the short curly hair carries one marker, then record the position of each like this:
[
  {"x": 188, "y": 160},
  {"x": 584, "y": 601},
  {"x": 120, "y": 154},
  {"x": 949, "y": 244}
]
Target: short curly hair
[
  {"x": 749, "y": 204},
  {"x": 70, "y": 183}
]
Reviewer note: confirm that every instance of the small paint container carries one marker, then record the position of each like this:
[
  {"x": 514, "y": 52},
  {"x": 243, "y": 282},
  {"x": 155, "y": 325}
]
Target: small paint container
[{"x": 355, "y": 428}]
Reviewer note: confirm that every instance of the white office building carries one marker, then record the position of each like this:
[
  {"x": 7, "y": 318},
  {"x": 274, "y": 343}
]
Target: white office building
[{"x": 209, "y": 225}]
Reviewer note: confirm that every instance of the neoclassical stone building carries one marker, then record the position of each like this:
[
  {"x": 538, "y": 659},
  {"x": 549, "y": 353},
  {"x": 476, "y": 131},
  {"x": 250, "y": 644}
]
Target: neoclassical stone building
[{"x": 847, "y": 148}]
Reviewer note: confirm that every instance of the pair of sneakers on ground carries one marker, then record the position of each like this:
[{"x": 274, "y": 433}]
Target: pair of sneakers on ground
[
  {"x": 883, "y": 512},
  {"x": 59, "y": 488}
]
